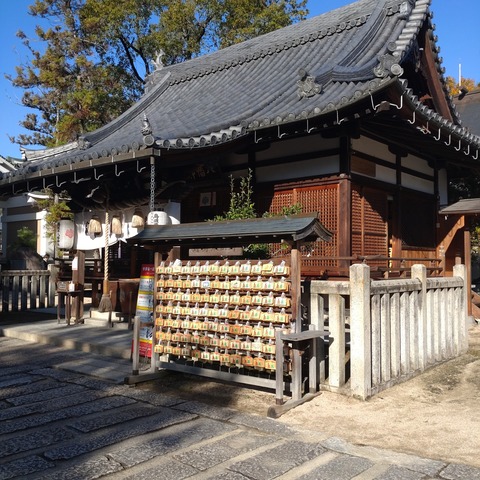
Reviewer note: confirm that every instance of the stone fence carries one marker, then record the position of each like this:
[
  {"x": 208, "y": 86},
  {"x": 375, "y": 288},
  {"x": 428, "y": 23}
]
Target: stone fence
[{"x": 383, "y": 332}]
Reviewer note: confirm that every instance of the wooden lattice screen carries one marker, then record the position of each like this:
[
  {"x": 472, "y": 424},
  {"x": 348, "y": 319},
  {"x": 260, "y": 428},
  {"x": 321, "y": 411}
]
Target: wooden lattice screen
[
  {"x": 369, "y": 223},
  {"x": 318, "y": 256}
]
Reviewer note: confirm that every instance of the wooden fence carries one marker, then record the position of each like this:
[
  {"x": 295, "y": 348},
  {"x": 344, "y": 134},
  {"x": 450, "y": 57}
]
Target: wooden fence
[
  {"x": 26, "y": 289},
  {"x": 382, "y": 332}
]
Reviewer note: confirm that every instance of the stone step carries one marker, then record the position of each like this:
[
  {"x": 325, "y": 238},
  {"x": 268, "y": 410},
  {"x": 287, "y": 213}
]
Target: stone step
[{"x": 101, "y": 319}]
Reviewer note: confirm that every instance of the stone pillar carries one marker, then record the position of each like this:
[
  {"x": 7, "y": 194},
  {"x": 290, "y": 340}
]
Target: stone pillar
[
  {"x": 419, "y": 272},
  {"x": 360, "y": 331},
  {"x": 464, "y": 319}
]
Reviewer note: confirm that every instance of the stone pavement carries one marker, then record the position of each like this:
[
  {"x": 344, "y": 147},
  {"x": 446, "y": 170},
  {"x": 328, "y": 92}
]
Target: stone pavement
[{"x": 65, "y": 414}]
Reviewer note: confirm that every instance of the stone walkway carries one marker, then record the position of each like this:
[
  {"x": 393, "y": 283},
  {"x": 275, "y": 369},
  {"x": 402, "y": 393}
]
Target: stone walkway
[{"x": 66, "y": 414}]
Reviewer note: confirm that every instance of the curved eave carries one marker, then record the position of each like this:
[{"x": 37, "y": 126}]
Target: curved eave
[{"x": 235, "y": 232}]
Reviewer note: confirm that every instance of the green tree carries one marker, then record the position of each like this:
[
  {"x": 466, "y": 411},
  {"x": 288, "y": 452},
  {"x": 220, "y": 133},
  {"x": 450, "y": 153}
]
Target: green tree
[
  {"x": 56, "y": 208},
  {"x": 95, "y": 54}
]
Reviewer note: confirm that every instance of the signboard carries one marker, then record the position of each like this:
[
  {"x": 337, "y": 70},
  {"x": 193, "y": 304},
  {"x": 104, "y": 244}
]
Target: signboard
[
  {"x": 215, "y": 252},
  {"x": 144, "y": 308}
]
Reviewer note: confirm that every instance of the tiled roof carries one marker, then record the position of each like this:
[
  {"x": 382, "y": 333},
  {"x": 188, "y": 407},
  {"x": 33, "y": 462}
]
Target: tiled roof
[
  {"x": 309, "y": 69},
  {"x": 468, "y": 106},
  {"x": 239, "y": 232}
]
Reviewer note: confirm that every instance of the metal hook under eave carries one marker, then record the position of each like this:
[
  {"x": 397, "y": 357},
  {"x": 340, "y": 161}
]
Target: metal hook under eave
[
  {"x": 459, "y": 145},
  {"x": 425, "y": 129},
  {"x": 58, "y": 185},
  {"x": 439, "y": 135},
  {"x": 476, "y": 156},
  {"x": 117, "y": 173},
  {"x": 412, "y": 121},
  {"x": 308, "y": 127},
  {"x": 255, "y": 137},
  {"x": 340, "y": 121},
  {"x": 400, "y": 106},
  {"x": 95, "y": 174},
  {"x": 449, "y": 140},
  {"x": 138, "y": 164},
  {"x": 468, "y": 150},
  {"x": 280, "y": 135}
]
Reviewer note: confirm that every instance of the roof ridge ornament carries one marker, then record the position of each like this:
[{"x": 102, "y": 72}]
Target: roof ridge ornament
[
  {"x": 83, "y": 143},
  {"x": 158, "y": 62},
  {"x": 307, "y": 85},
  {"x": 146, "y": 127},
  {"x": 388, "y": 63}
]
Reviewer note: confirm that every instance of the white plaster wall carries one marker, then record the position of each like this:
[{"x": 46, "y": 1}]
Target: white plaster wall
[
  {"x": 419, "y": 184},
  {"x": 374, "y": 148},
  {"x": 443, "y": 186},
  {"x": 306, "y": 168}
]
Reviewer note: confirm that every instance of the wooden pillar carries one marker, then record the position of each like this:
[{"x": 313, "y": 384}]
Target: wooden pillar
[
  {"x": 296, "y": 268},
  {"x": 468, "y": 264},
  {"x": 344, "y": 222}
]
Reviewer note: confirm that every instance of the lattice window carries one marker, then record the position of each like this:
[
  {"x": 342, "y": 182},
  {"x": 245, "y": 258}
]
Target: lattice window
[
  {"x": 323, "y": 200},
  {"x": 281, "y": 200},
  {"x": 369, "y": 222}
]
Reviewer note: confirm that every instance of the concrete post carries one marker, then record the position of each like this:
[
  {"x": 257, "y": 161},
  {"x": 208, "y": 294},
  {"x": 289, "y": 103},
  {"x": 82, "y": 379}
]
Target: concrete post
[
  {"x": 419, "y": 272},
  {"x": 360, "y": 331},
  {"x": 461, "y": 271}
]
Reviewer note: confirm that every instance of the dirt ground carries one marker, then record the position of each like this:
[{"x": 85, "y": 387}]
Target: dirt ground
[{"x": 435, "y": 415}]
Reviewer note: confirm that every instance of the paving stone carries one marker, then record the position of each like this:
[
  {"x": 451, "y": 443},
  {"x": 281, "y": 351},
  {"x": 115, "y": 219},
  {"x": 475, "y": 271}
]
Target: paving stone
[
  {"x": 214, "y": 453},
  {"x": 35, "y": 386},
  {"x": 18, "y": 412},
  {"x": 4, "y": 404},
  {"x": 103, "y": 421},
  {"x": 456, "y": 471},
  {"x": 211, "y": 411},
  {"x": 69, "y": 401},
  {"x": 23, "y": 466},
  {"x": 181, "y": 436},
  {"x": 13, "y": 380},
  {"x": 32, "y": 441},
  {"x": 52, "y": 393},
  {"x": 400, "y": 473},
  {"x": 158, "y": 399},
  {"x": 54, "y": 373},
  {"x": 100, "y": 405},
  {"x": 86, "y": 470},
  {"x": 114, "y": 435},
  {"x": 14, "y": 369},
  {"x": 278, "y": 460},
  {"x": 227, "y": 476},
  {"x": 410, "y": 462},
  {"x": 169, "y": 470},
  {"x": 265, "y": 424},
  {"x": 344, "y": 467}
]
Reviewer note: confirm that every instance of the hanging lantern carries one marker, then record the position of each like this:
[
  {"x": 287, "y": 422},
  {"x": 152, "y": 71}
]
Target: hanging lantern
[
  {"x": 66, "y": 234},
  {"x": 116, "y": 225},
  {"x": 94, "y": 225},
  {"x": 137, "y": 219}
]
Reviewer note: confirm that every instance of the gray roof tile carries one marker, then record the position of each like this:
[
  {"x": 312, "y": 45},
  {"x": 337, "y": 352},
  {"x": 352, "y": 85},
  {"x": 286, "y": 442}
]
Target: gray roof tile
[{"x": 252, "y": 85}]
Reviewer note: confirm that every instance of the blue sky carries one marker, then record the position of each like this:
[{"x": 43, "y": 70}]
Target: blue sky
[{"x": 456, "y": 22}]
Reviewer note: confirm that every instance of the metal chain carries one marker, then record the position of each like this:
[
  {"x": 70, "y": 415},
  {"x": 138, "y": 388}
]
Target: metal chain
[{"x": 152, "y": 185}]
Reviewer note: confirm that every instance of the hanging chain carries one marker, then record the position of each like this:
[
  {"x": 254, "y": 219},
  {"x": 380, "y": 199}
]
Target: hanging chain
[{"x": 152, "y": 184}]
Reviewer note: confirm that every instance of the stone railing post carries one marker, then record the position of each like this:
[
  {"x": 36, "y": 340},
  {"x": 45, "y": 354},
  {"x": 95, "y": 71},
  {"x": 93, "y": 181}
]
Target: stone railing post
[
  {"x": 360, "y": 331},
  {"x": 419, "y": 272},
  {"x": 462, "y": 324}
]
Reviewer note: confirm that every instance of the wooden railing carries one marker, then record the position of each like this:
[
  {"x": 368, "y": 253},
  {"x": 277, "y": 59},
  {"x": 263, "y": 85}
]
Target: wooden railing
[
  {"x": 382, "y": 332},
  {"x": 381, "y": 266},
  {"x": 26, "y": 289}
]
